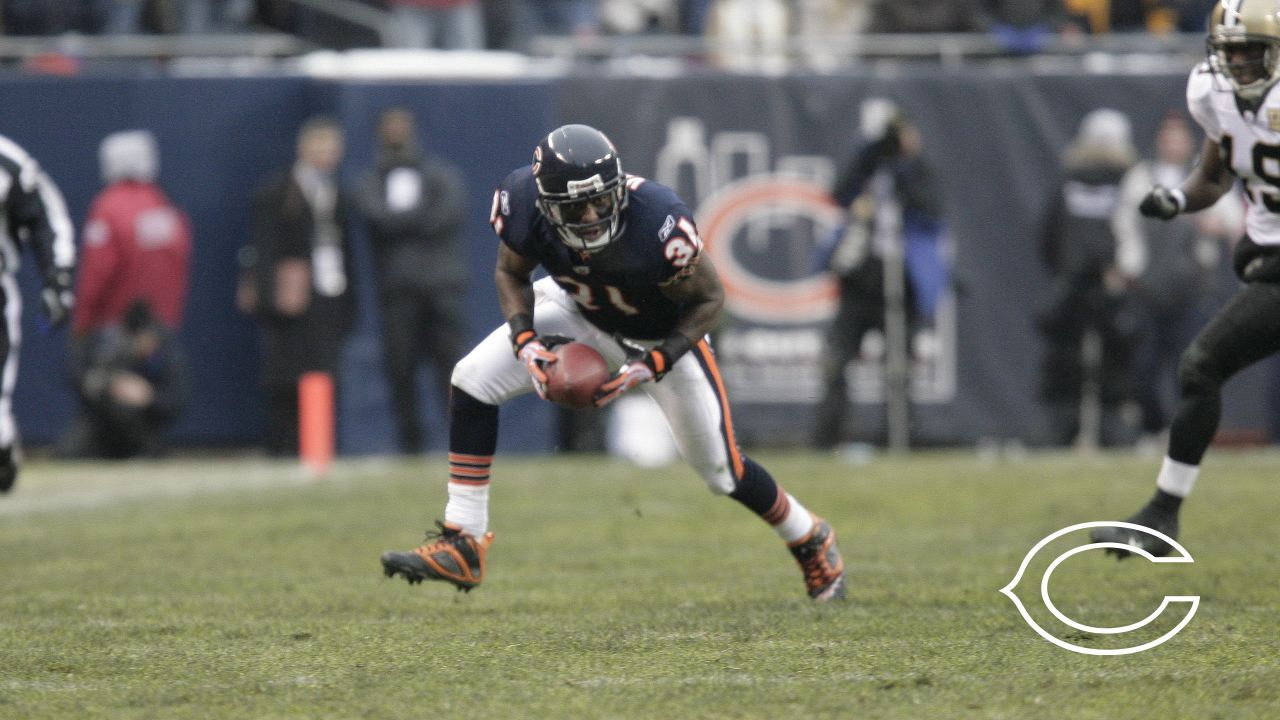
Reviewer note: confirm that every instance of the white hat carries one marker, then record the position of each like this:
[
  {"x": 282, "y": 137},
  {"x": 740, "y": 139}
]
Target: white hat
[
  {"x": 129, "y": 155},
  {"x": 1106, "y": 127}
]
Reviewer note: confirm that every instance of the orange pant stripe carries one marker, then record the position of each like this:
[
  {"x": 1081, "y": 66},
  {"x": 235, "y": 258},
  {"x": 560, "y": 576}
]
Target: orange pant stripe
[{"x": 709, "y": 362}]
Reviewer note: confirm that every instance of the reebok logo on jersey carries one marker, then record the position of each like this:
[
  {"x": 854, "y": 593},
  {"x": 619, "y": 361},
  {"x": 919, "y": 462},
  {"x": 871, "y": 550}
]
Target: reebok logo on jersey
[{"x": 667, "y": 226}]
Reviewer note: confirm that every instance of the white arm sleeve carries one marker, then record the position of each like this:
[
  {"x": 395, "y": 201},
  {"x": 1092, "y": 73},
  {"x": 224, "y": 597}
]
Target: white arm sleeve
[{"x": 1199, "y": 101}]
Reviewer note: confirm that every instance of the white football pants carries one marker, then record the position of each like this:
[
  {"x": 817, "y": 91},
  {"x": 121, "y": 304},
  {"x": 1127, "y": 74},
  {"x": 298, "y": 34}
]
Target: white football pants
[{"x": 691, "y": 395}]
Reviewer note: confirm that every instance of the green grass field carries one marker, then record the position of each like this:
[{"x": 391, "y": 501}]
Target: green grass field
[{"x": 242, "y": 589}]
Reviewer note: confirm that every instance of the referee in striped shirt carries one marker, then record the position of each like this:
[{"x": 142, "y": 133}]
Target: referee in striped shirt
[{"x": 34, "y": 215}]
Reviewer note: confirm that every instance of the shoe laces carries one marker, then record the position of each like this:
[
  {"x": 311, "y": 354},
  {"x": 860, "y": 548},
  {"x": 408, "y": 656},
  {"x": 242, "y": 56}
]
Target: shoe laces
[
  {"x": 442, "y": 536},
  {"x": 815, "y": 562},
  {"x": 817, "y": 571}
]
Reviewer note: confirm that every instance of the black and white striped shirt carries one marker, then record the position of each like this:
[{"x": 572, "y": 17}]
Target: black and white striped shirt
[{"x": 36, "y": 215}]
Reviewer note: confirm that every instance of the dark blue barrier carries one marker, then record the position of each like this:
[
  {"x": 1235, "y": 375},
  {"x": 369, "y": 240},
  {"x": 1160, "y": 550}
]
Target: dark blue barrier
[
  {"x": 996, "y": 139},
  {"x": 487, "y": 131},
  {"x": 218, "y": 138}
]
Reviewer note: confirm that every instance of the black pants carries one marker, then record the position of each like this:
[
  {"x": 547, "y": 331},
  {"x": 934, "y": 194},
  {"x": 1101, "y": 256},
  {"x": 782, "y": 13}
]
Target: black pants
[
  {"x": 418, "y": 327},
  {"x": 861, "y": 309},
  {"x": 111, "y": 430},
  {"x": 1165, "y": 333},
  {"x": 855, "y": 316},
  {"x": 280, "y": 403},
  {"x": 1242, "y": 333}
]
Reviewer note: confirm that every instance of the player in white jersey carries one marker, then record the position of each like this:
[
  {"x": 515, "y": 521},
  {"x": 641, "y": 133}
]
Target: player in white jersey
[{"x": 1232, "y": 95}]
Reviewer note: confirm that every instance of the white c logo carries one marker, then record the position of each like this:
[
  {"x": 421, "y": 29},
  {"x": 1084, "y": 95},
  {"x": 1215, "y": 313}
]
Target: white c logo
[{"x": 1182, "y": 556}]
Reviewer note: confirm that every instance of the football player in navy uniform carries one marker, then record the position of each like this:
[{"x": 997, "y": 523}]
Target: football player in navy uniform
[
  {"x": 1232, "y": 96},
  {"x": 626, "y": 275}
]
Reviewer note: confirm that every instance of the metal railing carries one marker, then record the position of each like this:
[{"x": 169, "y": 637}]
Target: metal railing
[
  {"x": 831, "y": 51},
  {"x": 945, "y": 48}
]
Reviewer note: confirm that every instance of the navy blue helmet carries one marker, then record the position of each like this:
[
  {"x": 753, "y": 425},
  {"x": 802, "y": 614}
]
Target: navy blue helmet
[{"x": 581, "y": 189}]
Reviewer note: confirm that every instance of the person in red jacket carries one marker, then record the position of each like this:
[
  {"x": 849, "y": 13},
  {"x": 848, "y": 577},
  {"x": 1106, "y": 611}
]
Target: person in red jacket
[{"x": 137, "y": 244}]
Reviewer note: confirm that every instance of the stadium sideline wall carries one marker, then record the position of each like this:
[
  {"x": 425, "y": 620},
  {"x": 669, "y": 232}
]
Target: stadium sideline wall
[{"x": 994, "y": 138}]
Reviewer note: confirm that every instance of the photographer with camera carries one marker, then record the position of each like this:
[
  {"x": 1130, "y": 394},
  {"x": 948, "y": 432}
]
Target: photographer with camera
[
  {"x": 894, "y": 212},
  {"x": 131, "y": 380}
]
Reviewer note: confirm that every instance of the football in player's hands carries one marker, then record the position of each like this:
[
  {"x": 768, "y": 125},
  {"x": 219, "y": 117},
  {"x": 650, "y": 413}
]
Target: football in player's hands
[{"x": 576, "y": 375}]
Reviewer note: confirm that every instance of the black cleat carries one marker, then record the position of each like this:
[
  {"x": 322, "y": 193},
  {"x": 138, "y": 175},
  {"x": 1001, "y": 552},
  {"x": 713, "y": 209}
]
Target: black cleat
[
  {"x": 821, "y": 562},
  {"x": 1160, "y": 520},
  {"x": 449, "y": 555},
  {"x": 8, "y": 469}
]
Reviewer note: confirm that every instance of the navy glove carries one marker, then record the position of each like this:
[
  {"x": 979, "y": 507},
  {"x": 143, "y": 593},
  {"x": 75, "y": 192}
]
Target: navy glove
[{"x": 1163, "y": 203}]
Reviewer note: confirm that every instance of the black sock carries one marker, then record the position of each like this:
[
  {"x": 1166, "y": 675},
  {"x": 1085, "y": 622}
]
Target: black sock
[
  {"x": 473, "y": 425},
  {"x": 760, "y": 494}
]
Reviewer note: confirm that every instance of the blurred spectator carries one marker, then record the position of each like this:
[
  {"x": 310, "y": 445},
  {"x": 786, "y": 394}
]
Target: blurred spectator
[
  {"x": 1024, "y": 26},
  {"x": 126, "y": 17},
  {"x": 131, "y": 17},
  {"x": 817, "y": 21},
  {"x": 48, "y": 17},
  {"x": 893, "y": 202},
  {"x": 137, "y": 244},
  {"x": 1173, "y": 266},
  {"x": 562, "y": 17},
  {"x": 511, "y": 24},
  {"x": 131, "y": 381},
  {"x": 693, "y": 16},
  {"x": 34, "y": 216},
  {"x": 1093, "y": 16},
  {"x": 1104, "y": 16},
  {"x": 1193, "y": 15},
  {"x": 636, "y": 17},
  {"x": 214, "y": 16},
  {"x": 443, "y": 24},
  {"x": 502, "y": 24},
  {"x": 749, "y": 35},
  {"x": 1086, "y": 321},
  {"x": 414, "y": 207},
  {"x": 295, "y": 276},
  {"x": 1129, "y": 15},
  {"x": 925, "y": 16}
]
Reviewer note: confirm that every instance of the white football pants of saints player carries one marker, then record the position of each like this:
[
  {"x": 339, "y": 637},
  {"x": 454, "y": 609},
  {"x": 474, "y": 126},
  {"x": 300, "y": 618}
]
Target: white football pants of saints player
[{"x": 691, "y": 395}]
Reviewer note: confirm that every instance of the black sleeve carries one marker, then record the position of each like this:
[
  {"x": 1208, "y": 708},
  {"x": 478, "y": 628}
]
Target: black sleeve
[
  {"x": 1051, "y": 233},
  {"x": 258, "y": 257},
  {"x": 918, "y": 188},
  {"x": 444, "y": 201},
  {"x": 38, "y": 217},
  {"x": 347, "y": 318},
  {"x": 170, "y": 383},
  {"x": 850, "y": 185}
]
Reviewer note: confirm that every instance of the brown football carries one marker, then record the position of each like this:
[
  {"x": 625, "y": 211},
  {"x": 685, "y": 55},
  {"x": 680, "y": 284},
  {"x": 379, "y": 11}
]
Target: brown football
[{"x": 572, "y": 380}]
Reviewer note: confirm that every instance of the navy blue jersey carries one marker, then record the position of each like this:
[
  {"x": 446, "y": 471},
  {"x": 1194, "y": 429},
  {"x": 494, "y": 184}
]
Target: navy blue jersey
[{"x": 617, "y": 288}]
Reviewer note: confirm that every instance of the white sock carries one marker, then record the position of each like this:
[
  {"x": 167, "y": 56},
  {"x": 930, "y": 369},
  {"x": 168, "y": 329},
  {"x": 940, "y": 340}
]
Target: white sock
[
  {"x": 1177, "y": 478},
  {"x": 468, "y": 508},
  {"x": 796, "y": 524}
]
